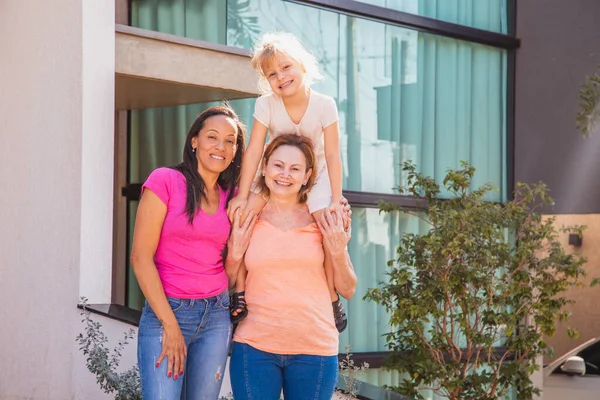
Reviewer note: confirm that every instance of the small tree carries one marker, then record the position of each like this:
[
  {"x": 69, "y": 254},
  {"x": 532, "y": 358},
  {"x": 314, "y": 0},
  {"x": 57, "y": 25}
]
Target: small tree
[{"x": 472, "y": 299}]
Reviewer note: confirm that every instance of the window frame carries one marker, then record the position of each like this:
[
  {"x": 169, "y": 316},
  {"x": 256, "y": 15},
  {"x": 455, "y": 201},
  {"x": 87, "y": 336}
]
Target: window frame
[{"x": 418, "y": 22}]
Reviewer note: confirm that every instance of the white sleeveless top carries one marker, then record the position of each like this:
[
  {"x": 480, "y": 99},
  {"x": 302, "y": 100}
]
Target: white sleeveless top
[{"x": 320, "y": 113}]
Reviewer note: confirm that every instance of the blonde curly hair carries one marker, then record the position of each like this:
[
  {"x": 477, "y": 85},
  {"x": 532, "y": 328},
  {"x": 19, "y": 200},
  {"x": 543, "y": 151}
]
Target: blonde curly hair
[{"x": 270, "y": 45}]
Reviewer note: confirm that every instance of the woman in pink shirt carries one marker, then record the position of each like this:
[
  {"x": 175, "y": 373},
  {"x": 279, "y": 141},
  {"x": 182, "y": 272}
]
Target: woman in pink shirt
[
  {"x": 180, "y": 232},
  {"x": 289, "y": 340}
]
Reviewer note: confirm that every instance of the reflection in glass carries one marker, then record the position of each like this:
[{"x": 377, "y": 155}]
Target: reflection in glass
[
  {"x": 490, "y": 15},
  {"x": 375, "y": 237}
]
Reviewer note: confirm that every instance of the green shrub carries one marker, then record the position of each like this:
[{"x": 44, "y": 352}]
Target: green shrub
[{"x": 472, "y": 299}]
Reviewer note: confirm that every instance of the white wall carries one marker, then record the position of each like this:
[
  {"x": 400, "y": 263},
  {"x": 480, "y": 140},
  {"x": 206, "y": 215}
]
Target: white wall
[
  {"x": 40, "y": 163},
  {"x": 97, "y": 149},
  {"x": 54, "y": 100}
]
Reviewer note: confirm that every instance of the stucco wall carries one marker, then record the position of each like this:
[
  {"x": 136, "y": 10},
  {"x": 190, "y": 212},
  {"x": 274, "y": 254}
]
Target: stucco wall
[
  {"x": 40, "y": 171},
  {"x": 585, "y": 312},
  {"x": 54, "y": 100}
]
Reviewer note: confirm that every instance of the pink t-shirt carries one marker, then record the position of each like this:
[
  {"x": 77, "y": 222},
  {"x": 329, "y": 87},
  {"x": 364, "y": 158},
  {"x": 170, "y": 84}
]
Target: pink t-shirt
[{"x": 188, "y": 257}]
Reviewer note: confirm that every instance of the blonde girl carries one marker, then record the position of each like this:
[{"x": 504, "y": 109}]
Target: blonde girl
[{"x": 289, "y": 105}]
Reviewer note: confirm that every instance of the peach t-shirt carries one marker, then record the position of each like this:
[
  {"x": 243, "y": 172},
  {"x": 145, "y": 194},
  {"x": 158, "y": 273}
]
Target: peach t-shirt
[{"x": 289, "y": 309}]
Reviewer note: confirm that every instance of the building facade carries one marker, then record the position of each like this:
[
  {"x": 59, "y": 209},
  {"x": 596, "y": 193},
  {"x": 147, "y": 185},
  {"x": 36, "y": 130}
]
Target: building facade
[{"x": 95, "y": 94}]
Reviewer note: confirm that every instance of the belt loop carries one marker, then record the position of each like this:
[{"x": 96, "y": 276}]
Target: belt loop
[{"x": 191, "y": 303}]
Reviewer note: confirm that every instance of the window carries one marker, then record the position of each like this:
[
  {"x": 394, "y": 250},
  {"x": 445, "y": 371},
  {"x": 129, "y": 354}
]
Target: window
[
  {"x": 402, "y": 94},
  {"x": 489, "y": 15}
]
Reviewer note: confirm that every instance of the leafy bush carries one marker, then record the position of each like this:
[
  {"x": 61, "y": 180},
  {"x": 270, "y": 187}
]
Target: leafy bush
[
  {"x": 472, "y": 299},
  {"x": 102, "y": 363},
  {"x": 351, "y": 373}
]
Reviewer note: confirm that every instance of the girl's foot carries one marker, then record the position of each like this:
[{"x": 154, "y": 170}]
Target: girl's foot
[
  {"x": 237, "y": 307},
  {"x": 341, "y": 322}
]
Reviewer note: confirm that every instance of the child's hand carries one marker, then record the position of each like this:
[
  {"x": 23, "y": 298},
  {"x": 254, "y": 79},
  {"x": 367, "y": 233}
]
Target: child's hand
[
  {"x": 337, "y": 207},
  {"x": 237, "y": 203},
  {"x": 335, "y": 237}
]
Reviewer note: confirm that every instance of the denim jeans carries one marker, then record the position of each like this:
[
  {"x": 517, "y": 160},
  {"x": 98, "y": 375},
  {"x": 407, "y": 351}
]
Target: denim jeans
[
  {"x": 206, "y": 327},
  {"x": 258, "y": 375}
]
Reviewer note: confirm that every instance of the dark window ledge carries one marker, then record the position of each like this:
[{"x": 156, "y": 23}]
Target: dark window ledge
[
  {"x": 115, "y": 311},
  {"x": 366, "y": 391}
]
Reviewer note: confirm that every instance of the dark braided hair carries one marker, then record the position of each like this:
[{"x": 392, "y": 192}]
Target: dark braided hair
[{"x": 228, "y": 179}]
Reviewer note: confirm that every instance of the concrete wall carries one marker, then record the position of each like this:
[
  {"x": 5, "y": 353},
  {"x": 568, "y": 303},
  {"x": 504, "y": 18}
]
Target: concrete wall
[
  {"x": 56, "y": 124},
  {"x": 560, "y": 45},
  {"x": 40, "y": 171}
]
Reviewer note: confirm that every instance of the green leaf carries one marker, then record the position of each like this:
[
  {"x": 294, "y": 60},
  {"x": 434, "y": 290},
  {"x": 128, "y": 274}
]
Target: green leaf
[{"x": 572, "y": 333}]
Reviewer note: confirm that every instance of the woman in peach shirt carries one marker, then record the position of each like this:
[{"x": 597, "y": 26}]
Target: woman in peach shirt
[{"x": 289, "y": 340}]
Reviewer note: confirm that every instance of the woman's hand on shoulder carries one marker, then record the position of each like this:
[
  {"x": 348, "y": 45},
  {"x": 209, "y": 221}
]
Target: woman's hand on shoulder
[
  {"x": 241, "y": 231},
  {"x": 235, "y": 204},
  {"x": 335, "y": 236}
]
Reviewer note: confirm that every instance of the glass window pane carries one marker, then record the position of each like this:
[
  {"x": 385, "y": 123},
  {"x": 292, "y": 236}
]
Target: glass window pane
[
  {"x": 401, "y": 94},
  {"x": 201, "y": 20},
  {"x": 375, "y": 237},
  {"x": 134, "y": 297},
  {"x": 489, "y": 15}
]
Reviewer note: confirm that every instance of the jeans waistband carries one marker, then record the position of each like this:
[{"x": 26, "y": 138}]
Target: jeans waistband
[{"x": 215, "y": 297}]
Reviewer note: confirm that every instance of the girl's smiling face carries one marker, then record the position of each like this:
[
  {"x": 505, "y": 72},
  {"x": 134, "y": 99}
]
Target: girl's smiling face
[{"x": 285, "y": 75}]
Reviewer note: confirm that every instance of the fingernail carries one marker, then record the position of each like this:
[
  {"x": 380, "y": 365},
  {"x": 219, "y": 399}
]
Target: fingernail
[
  {"x": 181, "y": 373},
  {"x": 169, "y": 374},
  {"x": 176, "y": 376},
  {"x": 158, "y": 364}
]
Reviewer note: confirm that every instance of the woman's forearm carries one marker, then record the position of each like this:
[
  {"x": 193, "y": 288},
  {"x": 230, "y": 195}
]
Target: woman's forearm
[
  {"x": 151, "y": 285},
  {"x": 344, "y": 278},
  {"x": 232, "y": 268}
]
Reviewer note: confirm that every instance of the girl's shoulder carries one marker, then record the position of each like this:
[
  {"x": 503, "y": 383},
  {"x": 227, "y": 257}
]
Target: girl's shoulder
[
  {"x": 266, "y": 98},
  {"x": 323, "y": 101},
  {"x": 320, "y": 96}
]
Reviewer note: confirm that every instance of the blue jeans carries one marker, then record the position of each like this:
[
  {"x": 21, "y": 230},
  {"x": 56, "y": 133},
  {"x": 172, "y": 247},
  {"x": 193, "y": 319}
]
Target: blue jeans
[
  {"x": 206, "y": 327},
  {"x": 258, "y": 375}
]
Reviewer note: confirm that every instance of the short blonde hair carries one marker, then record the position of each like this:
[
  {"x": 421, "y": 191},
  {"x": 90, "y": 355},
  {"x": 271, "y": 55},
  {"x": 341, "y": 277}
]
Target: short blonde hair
[{"x": 270, "y": 45}]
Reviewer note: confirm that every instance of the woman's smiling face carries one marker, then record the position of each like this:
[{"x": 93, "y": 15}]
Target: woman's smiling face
[
  {"x": 216, "y": 144},
  {"x": 285, "y": 171}
]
